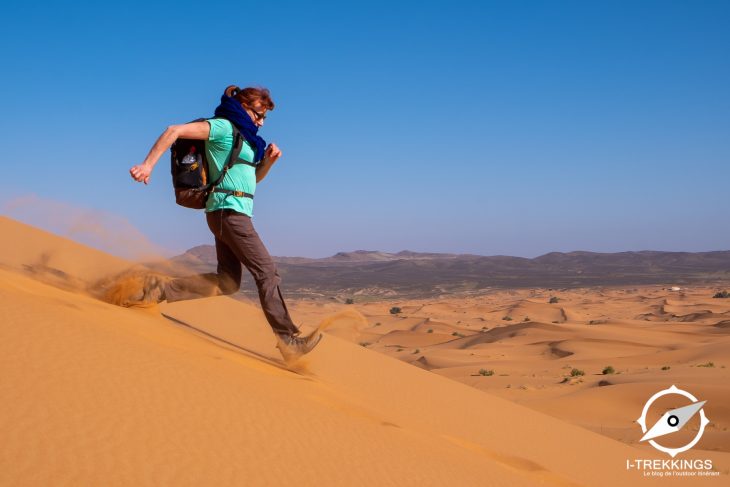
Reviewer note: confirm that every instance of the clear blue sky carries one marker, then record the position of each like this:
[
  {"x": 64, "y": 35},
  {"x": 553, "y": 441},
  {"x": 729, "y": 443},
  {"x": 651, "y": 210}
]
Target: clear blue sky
[{"x": 506, "y": 127}]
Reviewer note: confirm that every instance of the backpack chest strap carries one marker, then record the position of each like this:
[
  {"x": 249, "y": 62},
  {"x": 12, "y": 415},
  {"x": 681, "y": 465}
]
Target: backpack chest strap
[{"x": 237, "y": 194}]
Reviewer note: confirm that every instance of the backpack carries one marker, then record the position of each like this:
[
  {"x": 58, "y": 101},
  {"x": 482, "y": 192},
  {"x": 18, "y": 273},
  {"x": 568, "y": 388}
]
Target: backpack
[{"x": 191, "y": 181}]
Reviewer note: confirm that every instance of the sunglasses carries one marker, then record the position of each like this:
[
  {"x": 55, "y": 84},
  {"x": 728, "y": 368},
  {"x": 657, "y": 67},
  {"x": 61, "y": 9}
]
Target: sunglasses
[{"x": 259, "y": 116}]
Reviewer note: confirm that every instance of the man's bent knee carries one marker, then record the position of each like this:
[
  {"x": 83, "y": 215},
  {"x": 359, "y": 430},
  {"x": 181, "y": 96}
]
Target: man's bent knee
[{"x": 269, "y": 280}]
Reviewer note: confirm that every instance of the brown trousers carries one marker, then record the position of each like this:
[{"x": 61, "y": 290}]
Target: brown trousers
[{"x": 236, "y": 243}]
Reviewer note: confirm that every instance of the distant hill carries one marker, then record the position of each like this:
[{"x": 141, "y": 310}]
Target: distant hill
[{"x": 412, "y": 274}]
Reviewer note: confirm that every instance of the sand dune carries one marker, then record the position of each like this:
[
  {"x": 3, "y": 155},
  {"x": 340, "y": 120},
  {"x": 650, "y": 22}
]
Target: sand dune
[
  {"x": 58, "y": 260},
  {"x": 651, "y": 337},
  {"x": 95, "y": 394}
]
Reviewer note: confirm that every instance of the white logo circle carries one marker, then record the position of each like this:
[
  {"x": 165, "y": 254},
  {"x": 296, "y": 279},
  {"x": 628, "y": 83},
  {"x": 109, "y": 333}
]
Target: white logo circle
[{"x": 673, "y": 420}]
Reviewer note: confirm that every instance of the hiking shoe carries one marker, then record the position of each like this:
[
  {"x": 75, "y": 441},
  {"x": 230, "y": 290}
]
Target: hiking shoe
[
  {"x": 153, "y": 290},
  {"x": 133, "y": 288},
  {"x": 293, "y": 347}
]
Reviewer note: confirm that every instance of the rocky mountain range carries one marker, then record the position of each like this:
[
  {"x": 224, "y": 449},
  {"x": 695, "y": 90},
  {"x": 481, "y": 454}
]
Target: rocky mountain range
[{"x": 377, "y": 275}]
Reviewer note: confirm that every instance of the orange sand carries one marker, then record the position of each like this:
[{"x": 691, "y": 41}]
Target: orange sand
[
  {"x": 638, "y": 332},
  {"x": 95, "y": 394}
]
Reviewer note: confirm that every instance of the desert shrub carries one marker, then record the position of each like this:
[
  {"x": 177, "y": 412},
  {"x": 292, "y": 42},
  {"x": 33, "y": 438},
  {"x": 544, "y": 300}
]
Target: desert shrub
[
  {"x": 365, "y": 344},
  {"x": 708, "y": 364},
  {"x": 506, "y": 318},
  {"x": 377, "y": 324},
  {"x": 418, "y": 350},
  {"x": 486, "y": 372},
  {"x": 554, "y": 300},
  {"x": 666, "y": 367},
  {"x": 430, "y": 330},
  {"x": 722, "y": 294},
  {"x": 349, "y": 301},
  {"x": 527, "y": 318},
  {"x": 576, "y": 373},
  {"x": 608, "y": 370},
  {"x": 394, "y": 310},
  {"x": 457, "y": 334}
]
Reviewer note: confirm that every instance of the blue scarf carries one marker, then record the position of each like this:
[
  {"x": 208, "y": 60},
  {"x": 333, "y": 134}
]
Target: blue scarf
[{"x": 232, "y": 110}]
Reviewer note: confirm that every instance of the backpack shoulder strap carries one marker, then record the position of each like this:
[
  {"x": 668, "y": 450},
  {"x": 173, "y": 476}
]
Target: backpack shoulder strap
[
  {"x": 233, "y": 157},
  {"x": 237, "y": 147}
]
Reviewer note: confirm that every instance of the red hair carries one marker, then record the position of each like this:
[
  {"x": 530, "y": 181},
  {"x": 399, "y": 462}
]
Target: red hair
[{"x": 249, "y": 96}]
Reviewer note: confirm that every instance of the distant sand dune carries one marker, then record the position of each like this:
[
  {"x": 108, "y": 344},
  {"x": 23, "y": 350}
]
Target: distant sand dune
[{"x": 650, "y": 337}]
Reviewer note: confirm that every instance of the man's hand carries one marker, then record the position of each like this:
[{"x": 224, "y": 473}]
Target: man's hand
[
  {"x": 141, "y": 173},
  {"x": 271, "y": 154}
]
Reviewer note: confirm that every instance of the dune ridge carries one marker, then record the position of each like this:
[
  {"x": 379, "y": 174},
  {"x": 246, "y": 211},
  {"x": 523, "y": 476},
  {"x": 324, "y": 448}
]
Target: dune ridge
[{"x": 96, "y": 394}]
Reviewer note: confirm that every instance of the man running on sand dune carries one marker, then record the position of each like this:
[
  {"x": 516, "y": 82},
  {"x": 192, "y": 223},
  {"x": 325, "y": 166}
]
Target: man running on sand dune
[{"x": 228, "y": 213}]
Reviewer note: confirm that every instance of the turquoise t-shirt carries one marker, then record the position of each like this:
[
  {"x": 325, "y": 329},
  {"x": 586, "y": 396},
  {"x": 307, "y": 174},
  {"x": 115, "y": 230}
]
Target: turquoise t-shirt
[{"x": 240, "y": 177}]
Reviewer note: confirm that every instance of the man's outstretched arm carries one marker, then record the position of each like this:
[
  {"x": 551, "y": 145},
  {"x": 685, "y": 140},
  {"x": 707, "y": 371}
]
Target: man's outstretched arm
[{"x": 198, "y": 130}]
